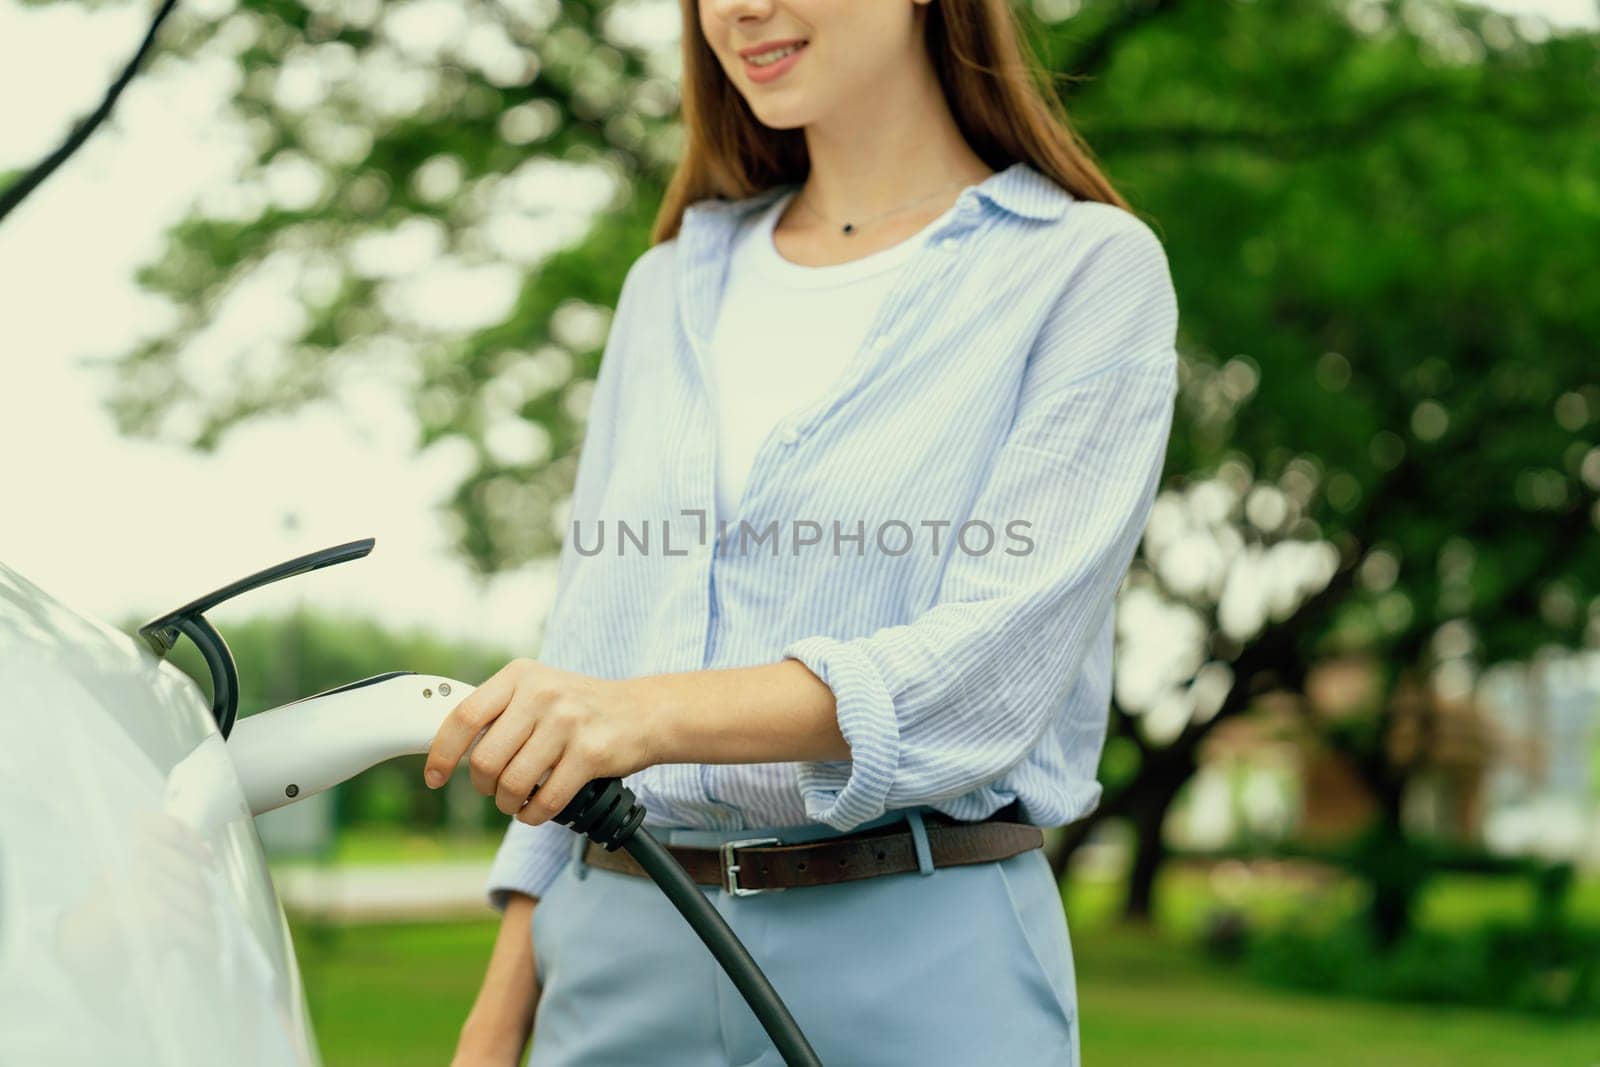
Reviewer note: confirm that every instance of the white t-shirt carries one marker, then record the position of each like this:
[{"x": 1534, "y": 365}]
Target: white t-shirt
[{"x": 784, "y": 334}]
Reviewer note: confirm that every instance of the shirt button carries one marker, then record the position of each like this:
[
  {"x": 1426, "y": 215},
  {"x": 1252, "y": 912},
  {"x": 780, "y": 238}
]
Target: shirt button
[
  {"x": 949, "y": 244},
  {"x": 881, "y": 342},
  {"x": 789, "y": 436}
]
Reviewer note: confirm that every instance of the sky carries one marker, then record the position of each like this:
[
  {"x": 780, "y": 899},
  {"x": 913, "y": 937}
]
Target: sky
[{"x": 115, "y": 527}]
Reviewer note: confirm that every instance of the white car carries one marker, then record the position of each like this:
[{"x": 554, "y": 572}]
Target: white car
[{"x": 138, "y": 922}]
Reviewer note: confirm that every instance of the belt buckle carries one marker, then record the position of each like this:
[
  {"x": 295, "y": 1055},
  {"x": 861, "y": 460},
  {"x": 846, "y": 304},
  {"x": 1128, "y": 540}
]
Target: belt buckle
[{"x": 730, "y": 876}]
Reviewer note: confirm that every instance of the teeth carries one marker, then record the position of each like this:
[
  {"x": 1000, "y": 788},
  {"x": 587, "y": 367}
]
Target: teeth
[{"x": 768, "y": 58}]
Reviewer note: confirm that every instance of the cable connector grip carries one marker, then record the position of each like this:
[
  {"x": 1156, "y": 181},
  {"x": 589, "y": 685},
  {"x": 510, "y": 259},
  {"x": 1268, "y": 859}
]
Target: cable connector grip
[{"x": 605, "y": 811}]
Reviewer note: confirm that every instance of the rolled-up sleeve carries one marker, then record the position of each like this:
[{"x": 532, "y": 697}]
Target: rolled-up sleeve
[
  {"x": 951, "y": 700},
  {"x": 528, "y": 860},
  {"x": 530, "y": 857}
]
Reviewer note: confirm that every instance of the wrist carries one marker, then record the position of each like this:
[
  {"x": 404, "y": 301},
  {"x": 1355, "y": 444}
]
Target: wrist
[{"x": 652, "y": 702}]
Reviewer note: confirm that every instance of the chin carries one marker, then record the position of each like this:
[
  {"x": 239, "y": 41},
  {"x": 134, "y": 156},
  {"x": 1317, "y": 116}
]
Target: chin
[{"x": 778, "y": 117}]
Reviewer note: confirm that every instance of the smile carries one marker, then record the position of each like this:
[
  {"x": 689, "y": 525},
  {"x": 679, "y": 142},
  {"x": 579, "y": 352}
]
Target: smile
[{"x": 773, "y": 63}]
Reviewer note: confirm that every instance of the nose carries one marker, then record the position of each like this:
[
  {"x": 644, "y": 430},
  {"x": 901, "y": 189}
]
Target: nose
[{"x": 735, "y": 10}]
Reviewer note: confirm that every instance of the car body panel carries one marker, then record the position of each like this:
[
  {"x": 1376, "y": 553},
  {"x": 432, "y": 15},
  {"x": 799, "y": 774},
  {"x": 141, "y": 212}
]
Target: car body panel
[{"x": 138, "y": 920}]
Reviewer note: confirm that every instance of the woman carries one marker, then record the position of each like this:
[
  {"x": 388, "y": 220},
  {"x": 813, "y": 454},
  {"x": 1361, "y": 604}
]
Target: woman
[{"x": 875, "y": 435}]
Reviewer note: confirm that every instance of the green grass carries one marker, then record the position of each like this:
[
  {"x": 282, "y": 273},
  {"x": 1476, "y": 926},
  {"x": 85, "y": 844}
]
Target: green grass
[
  {"x": 1144, "y": 1000},
  {"x": 382, "y": 846},
  {"x": 395, "y": 995},
  {"x": 391, "y": 995}
]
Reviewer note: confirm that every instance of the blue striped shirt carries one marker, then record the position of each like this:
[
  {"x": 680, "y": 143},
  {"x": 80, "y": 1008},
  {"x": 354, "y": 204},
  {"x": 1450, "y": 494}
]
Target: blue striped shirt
[{"x": 939, "y": 536}]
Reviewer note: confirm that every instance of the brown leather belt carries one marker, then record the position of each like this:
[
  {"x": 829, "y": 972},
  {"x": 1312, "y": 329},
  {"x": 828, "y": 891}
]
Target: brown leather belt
[{"x": 755, "y": 865}]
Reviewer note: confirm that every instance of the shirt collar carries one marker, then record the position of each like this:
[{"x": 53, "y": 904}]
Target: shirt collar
[
  {"x": 1022, "y": 190},
  {"x": 1019, "y": 189}
]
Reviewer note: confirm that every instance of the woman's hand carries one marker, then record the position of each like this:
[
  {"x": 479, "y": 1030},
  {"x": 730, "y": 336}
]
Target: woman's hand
[{"x": 537, "y": 720}]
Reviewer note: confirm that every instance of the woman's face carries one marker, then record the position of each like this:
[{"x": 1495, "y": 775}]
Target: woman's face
[{"x": 850, "y": 51}]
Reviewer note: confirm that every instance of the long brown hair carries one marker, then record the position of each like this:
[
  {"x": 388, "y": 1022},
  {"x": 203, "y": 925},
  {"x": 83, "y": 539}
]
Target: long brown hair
[{"x": 1003, "y": 102}]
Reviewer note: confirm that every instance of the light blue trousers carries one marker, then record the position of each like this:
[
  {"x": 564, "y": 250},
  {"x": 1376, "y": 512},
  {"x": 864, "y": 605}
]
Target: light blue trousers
[{"x": 965, "y": 965}]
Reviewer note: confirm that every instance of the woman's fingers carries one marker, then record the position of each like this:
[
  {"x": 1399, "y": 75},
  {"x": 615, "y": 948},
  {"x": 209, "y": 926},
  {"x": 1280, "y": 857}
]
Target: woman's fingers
[
  {"x": 568, "y": 776},
  {"x": 488, "y": 758},
  {"x": 530, "y": 721},
  {"x": 465, "y": 721},
  {"x": 528, "y": 767}
]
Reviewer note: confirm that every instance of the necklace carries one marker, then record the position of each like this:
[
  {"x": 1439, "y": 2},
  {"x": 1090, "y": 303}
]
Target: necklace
[{"x": 848, "y": 228}]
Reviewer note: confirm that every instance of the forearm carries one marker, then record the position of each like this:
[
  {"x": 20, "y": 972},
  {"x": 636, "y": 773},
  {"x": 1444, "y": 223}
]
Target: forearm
[
  {"x": 502, "y": 1016},
  {"x": 776, "y": 712}
]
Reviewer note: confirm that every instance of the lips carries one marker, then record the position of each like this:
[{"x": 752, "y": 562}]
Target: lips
[
  {"x": 769, "y": 46},
  {"x": 757, "y": 72}
]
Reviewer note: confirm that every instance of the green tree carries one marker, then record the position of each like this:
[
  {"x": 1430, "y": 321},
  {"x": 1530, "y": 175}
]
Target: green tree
[{"x": 1384, "y": 231}]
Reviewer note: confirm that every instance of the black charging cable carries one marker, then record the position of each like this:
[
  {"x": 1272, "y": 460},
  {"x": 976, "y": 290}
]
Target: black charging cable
[{"x": 606, "y": 812}]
